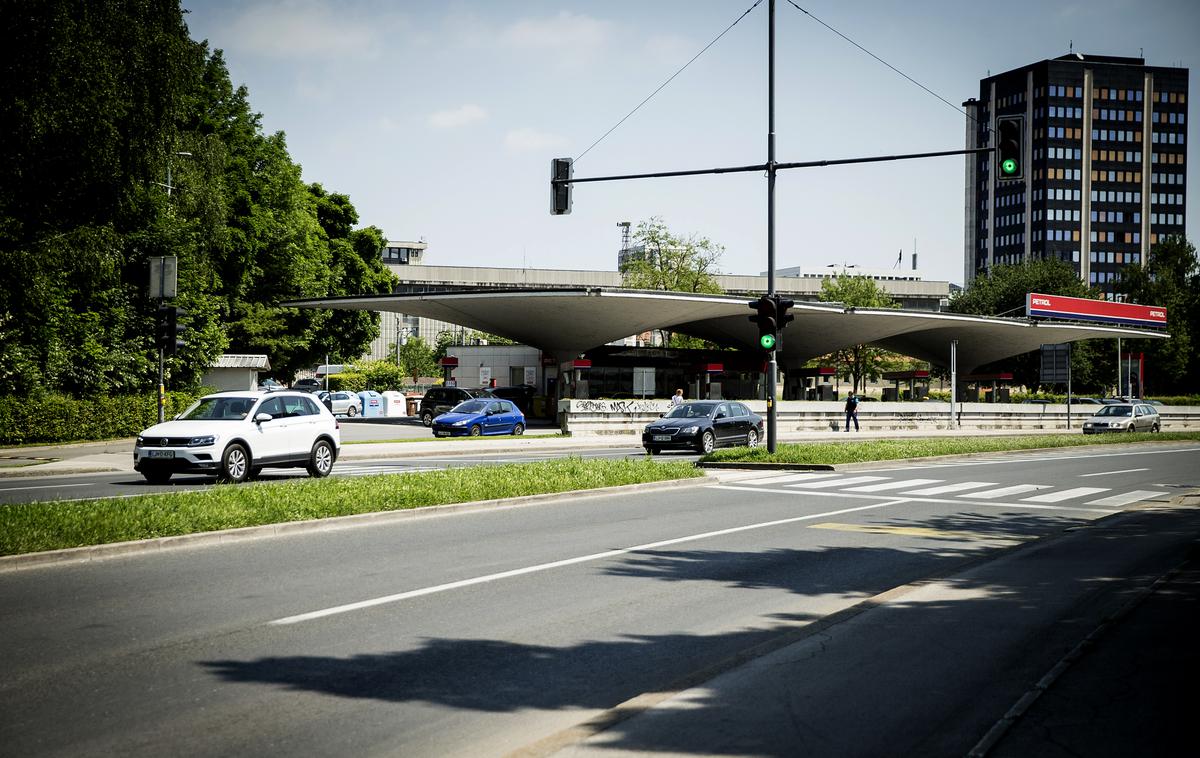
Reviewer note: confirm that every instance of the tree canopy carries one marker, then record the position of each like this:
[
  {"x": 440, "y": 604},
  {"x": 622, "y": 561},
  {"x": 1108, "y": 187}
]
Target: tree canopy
[
  {"x": 859, "y": 363},
  {"x": 121, "y": 140},
  {"x": 1170, "y": 278}
]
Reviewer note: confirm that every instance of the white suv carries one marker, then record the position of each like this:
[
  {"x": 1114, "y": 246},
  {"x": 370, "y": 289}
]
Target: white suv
[{"x": 236, "y": 434}]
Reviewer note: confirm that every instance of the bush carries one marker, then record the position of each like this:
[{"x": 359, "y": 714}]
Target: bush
[
  {"x": 347, "y": 381},
  {"x": 53, "y": 418}
]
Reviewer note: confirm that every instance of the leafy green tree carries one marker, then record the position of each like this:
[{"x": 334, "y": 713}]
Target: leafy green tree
[
  {"x": 417, "y": 358},
  {"x": 859, "y": 363},
  {"x": 1002, "y": 293},
  {"x": 1170, "y": 278},
  {"x": 670, "y": 262}
]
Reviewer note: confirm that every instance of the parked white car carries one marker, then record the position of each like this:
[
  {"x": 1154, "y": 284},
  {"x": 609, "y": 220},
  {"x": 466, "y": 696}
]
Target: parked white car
[
  {"x": 235, "y": 435},
  {"x": 345, "y": 404}
]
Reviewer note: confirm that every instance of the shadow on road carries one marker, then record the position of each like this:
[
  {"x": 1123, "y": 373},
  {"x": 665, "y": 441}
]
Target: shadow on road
[{"x": 905, "y": 678}]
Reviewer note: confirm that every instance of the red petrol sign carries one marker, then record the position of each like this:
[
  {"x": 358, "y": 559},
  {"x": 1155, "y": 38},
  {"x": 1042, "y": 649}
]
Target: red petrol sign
[{"x": 1081, "y": 308}]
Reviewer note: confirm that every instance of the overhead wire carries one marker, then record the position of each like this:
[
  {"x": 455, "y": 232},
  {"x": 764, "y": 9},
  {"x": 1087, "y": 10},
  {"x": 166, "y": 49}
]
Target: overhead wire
[
  {"x": 881, "y": 60},
  {"x": 668, "y": 81}
]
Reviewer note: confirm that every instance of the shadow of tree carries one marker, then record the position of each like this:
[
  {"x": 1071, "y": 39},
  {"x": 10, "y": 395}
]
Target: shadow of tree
[{"x": 954, "y": 694}]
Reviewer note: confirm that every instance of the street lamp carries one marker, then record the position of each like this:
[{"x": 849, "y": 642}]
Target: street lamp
[{"x": 168, "y": 185}]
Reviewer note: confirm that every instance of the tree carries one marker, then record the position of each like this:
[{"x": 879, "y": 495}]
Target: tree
[
  {"x": 417, "y": 358},
  {"x": 1170, "y": 278},
  {"x": 861, "y": 361},
  {"x": 1002, "y": 293}
]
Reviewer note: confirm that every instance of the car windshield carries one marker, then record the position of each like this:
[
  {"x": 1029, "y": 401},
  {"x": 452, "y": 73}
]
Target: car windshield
[
  {"x": 692, "y": 410},
  {"x": 219, "y": 409},
  {"x": 470, "y": 406},
  {"x": 1115, "y": 410}
]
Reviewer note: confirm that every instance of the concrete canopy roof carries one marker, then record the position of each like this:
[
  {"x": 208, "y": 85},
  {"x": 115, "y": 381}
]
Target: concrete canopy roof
[{"x": 567, "y": 322}]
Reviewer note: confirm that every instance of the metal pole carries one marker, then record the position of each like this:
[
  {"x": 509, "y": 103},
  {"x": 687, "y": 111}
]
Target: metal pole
[
  {"x": 772, "y": 364},
  {"x": 162, "y": 390},
  {"x": 1118, "y": 365},
  {"x": 953, "y": 380},
  {"x": 1068, "y": 385}
]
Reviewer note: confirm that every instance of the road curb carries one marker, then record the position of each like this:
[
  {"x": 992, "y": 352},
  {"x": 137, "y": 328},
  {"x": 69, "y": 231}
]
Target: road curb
[{"x": 88, "y": 553}]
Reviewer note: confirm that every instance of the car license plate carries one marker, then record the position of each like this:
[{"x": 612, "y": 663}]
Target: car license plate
[
  {"x": 441, "y": 434},
  {"x": 662, "y": 438},
  {"x": 160, "y": 454}
]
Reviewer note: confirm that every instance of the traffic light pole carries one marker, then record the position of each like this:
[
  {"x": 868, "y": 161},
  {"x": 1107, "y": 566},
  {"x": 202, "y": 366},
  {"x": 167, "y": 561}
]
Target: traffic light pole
[{"x": 772, "y": 363}]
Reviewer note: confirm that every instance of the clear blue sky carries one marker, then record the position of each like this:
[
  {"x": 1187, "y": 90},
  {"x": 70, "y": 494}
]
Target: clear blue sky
[{"x": 439, "y": 119}]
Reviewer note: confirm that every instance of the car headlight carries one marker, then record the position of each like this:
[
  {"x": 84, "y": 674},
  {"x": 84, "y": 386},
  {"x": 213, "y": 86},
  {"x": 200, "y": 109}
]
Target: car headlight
[
  {"x": 689, "y": 430},
  {"x": 462, "y": 422},
  {"x": 1115, "y": 424},
  {"x": 141, "y": 441},
  {"x": 204, "y": 441}
]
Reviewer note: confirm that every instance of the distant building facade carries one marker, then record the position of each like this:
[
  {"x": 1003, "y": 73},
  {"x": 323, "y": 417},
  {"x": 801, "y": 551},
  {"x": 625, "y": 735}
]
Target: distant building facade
[{"x": 1105, "y": 161}]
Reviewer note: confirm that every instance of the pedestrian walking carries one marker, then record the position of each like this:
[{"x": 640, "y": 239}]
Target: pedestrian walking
[
  {"x": 851, "y": 411},
  {"x": 677, "y": 398}
]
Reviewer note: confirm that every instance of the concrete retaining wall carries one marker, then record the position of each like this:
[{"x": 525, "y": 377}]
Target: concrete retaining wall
[{"x": 614, "y": 417}]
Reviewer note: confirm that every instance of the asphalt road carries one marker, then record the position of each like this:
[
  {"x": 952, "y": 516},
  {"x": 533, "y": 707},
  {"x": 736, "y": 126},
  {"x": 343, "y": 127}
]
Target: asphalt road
[{"x": 483, "y": 633}]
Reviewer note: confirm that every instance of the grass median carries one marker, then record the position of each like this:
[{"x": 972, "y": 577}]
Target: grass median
[
  {"x": 34, "y": 527},
  {"x": 831, "y": 453}
]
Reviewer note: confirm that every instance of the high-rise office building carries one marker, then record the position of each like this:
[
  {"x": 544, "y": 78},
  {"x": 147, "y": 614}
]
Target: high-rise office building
[{"x": 1105, "y": 161}]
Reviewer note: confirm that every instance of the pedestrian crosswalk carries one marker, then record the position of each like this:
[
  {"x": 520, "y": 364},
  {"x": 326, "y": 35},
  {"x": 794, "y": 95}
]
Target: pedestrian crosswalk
[{"x": 882, "y": 485}]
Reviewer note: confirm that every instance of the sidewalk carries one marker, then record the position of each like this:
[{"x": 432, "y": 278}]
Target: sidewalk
[{"x": 117, "y": 455}]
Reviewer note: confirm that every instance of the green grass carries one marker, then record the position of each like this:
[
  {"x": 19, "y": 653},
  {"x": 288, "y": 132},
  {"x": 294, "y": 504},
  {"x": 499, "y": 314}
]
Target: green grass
[
  {"x": 33, "y": 527},
  {"x": 829, "y": 453}
]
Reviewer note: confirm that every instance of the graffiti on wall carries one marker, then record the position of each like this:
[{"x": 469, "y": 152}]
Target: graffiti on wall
[{"x": 618, "y": 406}]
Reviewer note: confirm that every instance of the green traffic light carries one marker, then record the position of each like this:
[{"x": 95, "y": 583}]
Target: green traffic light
[
  {"x": 1009, "y": 166},
  {"x": 767, "y": 341}
]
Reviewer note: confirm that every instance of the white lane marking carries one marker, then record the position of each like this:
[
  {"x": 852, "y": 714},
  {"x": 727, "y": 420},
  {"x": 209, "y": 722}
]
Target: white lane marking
[
  {"x": 957, "y": 487},
  {"x": 559, "y": 564},
  {"x": 1015, "y": 489},
  {"x": 1043, "y": 459},
  {"x": 922, "y": 500},
  {"x": 1122, "y": 471},
  {"x": 44, "y": 487},
  {"x": 1128, "y": 497},
  {"x": 837, "y": 482},
  {"x": 804, "y": 477},
  {"x": 893, "y": 485},
  {"x": 1061, "y": 495}
]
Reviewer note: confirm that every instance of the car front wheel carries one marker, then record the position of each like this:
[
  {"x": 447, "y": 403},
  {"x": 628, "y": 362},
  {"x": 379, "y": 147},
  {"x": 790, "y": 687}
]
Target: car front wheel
[
  {"x": 519, "y": 429},
  {"x": 235, "y": 464},
  {"x": 320, "y": 461},
  {"x": 1155, "y": 429},
  {"x": 476, "y": 431},
  {"x": 707, "y": 443}
]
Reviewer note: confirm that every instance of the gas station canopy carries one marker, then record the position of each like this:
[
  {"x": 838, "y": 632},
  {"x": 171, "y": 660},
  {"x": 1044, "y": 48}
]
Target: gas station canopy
[{"x": 568, "y": 322}]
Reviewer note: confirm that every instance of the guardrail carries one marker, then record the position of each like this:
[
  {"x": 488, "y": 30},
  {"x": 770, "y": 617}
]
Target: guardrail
[{"x": 613, "y": 417}]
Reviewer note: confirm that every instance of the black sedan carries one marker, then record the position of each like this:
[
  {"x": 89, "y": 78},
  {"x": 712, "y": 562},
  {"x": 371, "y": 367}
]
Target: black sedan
[{"x": 702, "y": 425}]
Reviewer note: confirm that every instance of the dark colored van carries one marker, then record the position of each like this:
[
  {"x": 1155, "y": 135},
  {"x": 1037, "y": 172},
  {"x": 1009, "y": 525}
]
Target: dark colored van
[
  {"x": 521, "y": 396},
  {"x": 438, "y": 400}
]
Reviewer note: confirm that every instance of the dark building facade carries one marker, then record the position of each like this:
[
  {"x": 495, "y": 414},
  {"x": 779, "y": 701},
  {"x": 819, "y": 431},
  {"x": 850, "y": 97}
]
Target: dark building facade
[{"x": 1105, "y": 161}]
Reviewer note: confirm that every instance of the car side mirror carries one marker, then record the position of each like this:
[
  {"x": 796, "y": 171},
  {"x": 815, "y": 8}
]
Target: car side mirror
[
  {"x": 719, "y": 416},
  {"x": 262, "y": 417},
  {"x": 662, "y": 415}
]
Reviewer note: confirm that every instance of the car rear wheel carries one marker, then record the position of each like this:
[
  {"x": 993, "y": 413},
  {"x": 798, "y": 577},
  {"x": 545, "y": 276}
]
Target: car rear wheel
[
  {"x": 320, "y": 461},
  {"x": 476, "y": 431},
  {"x": 157, "y": 477},
  {"x": 352, "y": 412},
  {"x": 519, "y": 429},
  {"x": 235, "y": 464},
  {"x": 707, "y": 443},
  {"x": 427, "y": 418},
  {"x": 752, "y": 438}
]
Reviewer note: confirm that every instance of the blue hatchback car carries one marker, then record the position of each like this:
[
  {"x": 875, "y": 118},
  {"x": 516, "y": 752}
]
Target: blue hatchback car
[{"x": 473, "y": 418}]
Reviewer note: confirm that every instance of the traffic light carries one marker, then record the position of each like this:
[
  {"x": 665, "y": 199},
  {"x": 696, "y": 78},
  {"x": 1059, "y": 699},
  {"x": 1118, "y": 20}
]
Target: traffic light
[
  {"x": 767, "y": 320},
  {"x": 783, "y": 318},
  {"x": 561, "y": 171},
  {"x": 163, "y": 333},
  {"x": 167, "y": 329},
  {"x": 1010, "y": 147}
]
